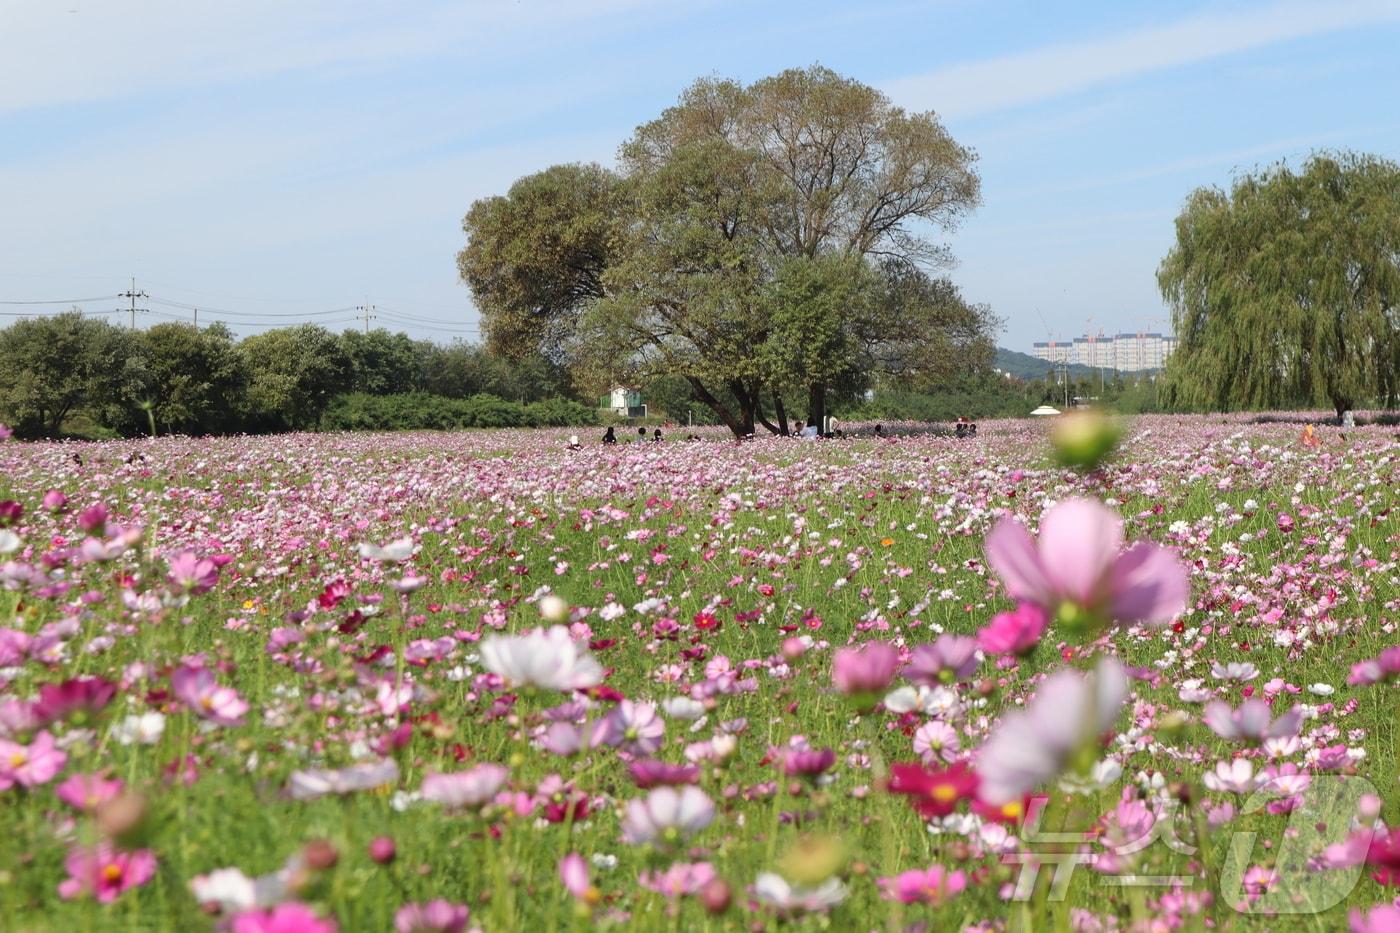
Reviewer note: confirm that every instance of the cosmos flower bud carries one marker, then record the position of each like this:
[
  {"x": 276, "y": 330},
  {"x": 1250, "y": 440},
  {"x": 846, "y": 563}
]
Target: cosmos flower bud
[
  {"x": 320, "y": 854},
  {"x": 1084, "y": 439},
  {"x": 716, "y": 896},
  {"x": 812, "y": 860},
  {"x": 382, "y": 850},
  {"x": 553, "y": 609},
  {"x": 122, "y": 818}
]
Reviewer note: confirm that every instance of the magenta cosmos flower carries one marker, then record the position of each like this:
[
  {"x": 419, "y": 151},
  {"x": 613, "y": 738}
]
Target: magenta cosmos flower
[
  {"x": 1015, "y": 632},
  {"x": 197, "y": 689},
  {"x": 1078, "y": 567},
  {"x": 87, "y": 792},
  {"x": 104, "y": 873},
  {"x": 190, "y": 574}
]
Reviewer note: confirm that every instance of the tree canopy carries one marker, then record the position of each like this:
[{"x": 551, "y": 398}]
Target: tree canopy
[
  {"x": 752, "y": 241},
  {"x": 1285, "y": 290}
]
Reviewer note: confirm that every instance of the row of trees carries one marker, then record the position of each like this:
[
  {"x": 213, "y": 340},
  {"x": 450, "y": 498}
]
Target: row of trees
[
  {"x": 757, "y": 243},
  {"x": 178, "y": 378}
]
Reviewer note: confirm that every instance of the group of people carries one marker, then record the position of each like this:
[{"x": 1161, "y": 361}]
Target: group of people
[
  {"x": 963, "y": 428},
  {"x": 610, "y": 437}
]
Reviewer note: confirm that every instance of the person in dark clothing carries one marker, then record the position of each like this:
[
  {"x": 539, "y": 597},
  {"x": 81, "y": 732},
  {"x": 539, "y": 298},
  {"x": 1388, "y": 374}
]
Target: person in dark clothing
[
  {"x": 879, "y": 430},
  {"x": 610, "y": 436},
  {"x": 656, "y": 435},
  {"x": 641, "y": 434}
]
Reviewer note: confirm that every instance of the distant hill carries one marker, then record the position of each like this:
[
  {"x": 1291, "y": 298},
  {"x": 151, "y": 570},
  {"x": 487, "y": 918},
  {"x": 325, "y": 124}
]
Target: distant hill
[{"x": 1025, "y": 366}]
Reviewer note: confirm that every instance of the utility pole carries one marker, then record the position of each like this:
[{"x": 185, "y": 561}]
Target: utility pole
[
  {"x": 366, "y": 310},
  {"x": 196, "y": 319},
  {"x": 133, "y": 294}
]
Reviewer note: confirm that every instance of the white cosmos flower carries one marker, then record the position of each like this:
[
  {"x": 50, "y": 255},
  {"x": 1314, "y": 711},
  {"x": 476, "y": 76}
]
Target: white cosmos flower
[
  {"x": 1322, "y": 690},
  {"x": 545, "y": 658},
  {"x": 1235, "y": 776},
  {"x": 229, "y": 888},
  {"x": 9, "y": 541},
  {"x": 683, "y": 708},
  {"x": 772, "y": 889},
  {"x": 394, "y": 551},
  {"x": 145, "y": 729},
  {"x": 667, "y": 813}
]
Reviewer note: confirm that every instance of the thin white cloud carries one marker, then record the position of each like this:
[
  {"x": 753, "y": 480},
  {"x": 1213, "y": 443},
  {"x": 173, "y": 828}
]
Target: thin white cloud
[
  {"x": 992, "y": 84},
  {"x": 55, "y": 52}
]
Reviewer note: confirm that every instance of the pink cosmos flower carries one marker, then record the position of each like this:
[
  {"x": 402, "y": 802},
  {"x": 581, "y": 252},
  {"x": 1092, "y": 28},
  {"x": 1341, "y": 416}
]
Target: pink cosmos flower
[
  {"x": 93, "y": 519},
  {"x": 30, "y": 765},
  {"x": 680, "y": 880},
  {"x": 573, "y": 872},
  {"x": 284, "y": 918},
  {"x": 105, "y": 873},
  {"x": 649, "y": 773},
  {"x": 437, "y": 916},
  {"x": 197, "y": 689},
  {"x": 936, "y": 740},
  {"x": 864, "y": 670},
  {"x": 1384, "y": 918},
  {"x": 5, "y": 432},
  {"x": 1078, "y": 561},
  {"x": 87, "y": 792},
  {"x": 667, "y": 813},
  {"x": 1252, "y": 722},
  {"x": 469, "y": 789},
  {"x": 637, "y": 726},
  {"x": 1014, "y": 632},
  {"x": 189, "y": 574},
  {"x": 1032, "y": 745},
  {"x": 924, "y": 886},
  {"x": 951, "y": 658},
  {"x": 55, "y": 501},
  {"x": 1385, "y": 666}
]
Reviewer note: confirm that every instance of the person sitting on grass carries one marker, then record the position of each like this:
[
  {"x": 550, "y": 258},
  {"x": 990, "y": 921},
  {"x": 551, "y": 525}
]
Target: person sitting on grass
[{"x": 610, "y": 436}]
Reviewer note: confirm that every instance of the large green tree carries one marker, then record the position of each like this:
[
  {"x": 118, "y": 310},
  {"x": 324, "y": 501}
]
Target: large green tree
[
  {"x": 53, "y": 367},
  {"x": 664, "y": 268},
  {"x": 197, "y": 380},
  {"x": 1285, "y": 290},
  {"x": 294, "y": 372}
]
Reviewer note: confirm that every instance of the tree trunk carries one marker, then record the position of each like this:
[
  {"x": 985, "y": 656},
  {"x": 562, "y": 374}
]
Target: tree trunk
[
  {"x": 816, "y": 406},
  {"x": 706, "y": 398},
  {"x": 747, "y": 399},
  {"x": 781, "y": 412}
]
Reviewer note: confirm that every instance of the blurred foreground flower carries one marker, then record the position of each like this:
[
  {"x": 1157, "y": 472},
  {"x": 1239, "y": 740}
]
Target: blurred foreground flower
[
  {"x": 1252, "y": 722},
  {"x": 864, "y": 672},
  {"x": 104, "y": 873},
  {"x": 1078, "y": 572},
  {"x": 931, "y": 886},
  {"x": 1062, "y": 721},
  {"x": 668, "y": 814},
  {"x": 772, "y": 890},
  {"x": 545, "y": 658}
]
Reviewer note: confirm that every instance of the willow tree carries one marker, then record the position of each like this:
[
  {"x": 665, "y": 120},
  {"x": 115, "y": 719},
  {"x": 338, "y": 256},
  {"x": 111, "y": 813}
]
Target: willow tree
[
  {"x": 664, "y": 267},
  {"x": 1286, "y": 289}
]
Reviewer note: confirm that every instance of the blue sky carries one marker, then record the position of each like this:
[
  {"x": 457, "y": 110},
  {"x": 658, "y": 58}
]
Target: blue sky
[{"x": 293, "y": 157}]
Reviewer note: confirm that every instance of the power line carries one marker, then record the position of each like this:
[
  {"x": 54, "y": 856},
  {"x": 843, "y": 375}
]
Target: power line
[
  {"x": 55, "y": 301},
  {"x": 133, "y": 294}
]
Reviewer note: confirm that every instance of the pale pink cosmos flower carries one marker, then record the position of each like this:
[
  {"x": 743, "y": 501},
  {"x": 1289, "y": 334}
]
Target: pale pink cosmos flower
[
  {"x": 469, "y": 789},
  {"x": 773, "y": 890},
  {"x": 1252, "y": 722},
  {"x": 680, "y": 880},
  {"x": 1032, "y": 745},
  {"x": 546, "y": 658},
  {"x": 291, "y": 917},
  {"x": 30, "y": 765},
  {"x": 437, "y": 916},
  {"x": 668, "y": 814},
  {"x": 1079, "y": 560},
  {"x": 949, "y": 659},
  {"x": 55, "y": 501},
  {"x": 87, "y": 792},
  {"x": 1235, "y": 777},
  {"x": 936, "y": 740},
  {"x": 573, "y": 872},
  {"x": 190, "y": 574},
  {"x": 105, "y": 873},
  {"x": 1015, "y": 632},
  {"x": 932, "y": 885},
  {"x": 317, "y": 782},
  {"x": 638, "y": 728},
  {"x": 197, "y": 689}
]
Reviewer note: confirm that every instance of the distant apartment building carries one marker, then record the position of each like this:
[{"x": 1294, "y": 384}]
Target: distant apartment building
[{"x": 1128, "y": 353}]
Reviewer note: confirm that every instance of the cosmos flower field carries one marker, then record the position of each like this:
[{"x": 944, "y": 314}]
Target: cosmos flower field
[{"x": 482, "y": 681}]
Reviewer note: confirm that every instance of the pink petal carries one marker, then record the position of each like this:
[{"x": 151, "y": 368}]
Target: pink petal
[
  {"x": 1149, "y": 584},
  {"x": 1079, "y": 543},
  {"x": 1012, "y": 554}
]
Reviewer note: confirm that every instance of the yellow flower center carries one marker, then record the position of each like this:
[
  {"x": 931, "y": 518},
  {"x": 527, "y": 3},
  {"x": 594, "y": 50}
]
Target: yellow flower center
[
  {"x": 111, "y": 873},
  {"x": 17, "y": 759},
  {"x": 945, "y": 793}
]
